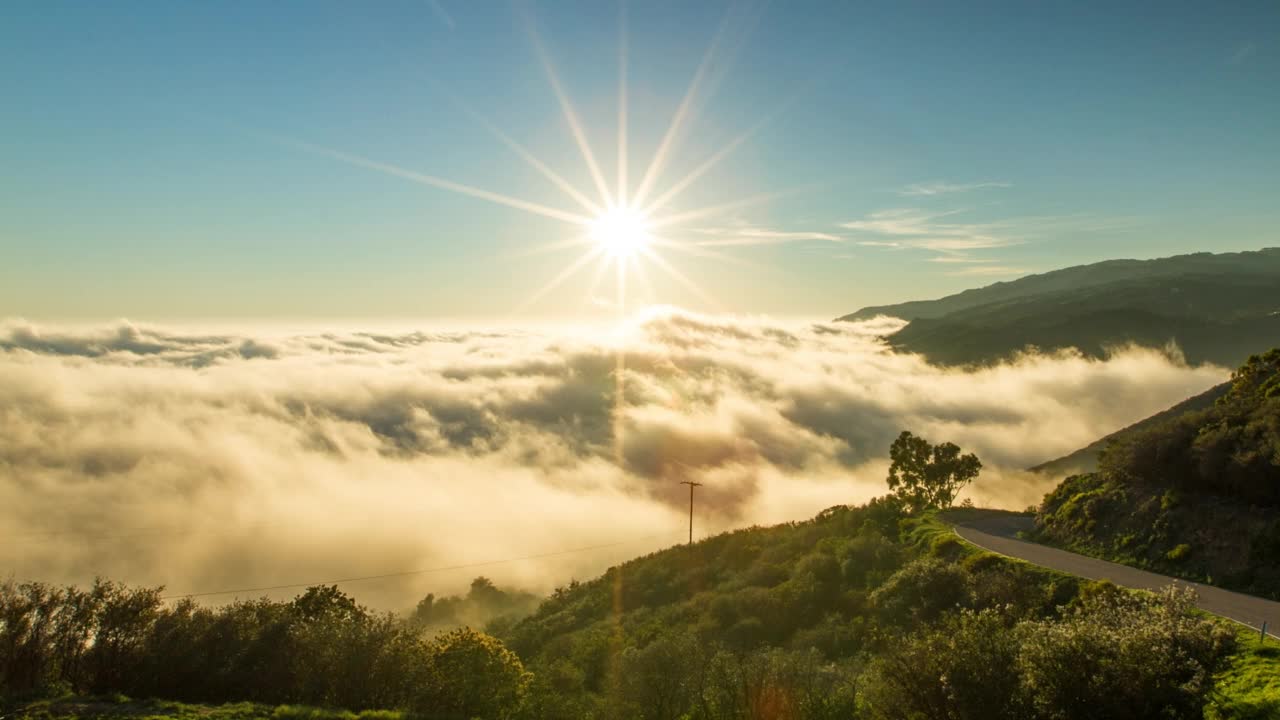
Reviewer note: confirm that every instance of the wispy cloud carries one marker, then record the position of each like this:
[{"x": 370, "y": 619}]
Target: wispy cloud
[
  {"x": 1241, "y": 54},
  {"x": 956, "y": 259},
  {"x": 923, "y": 229},
  {"x": 440, "y": 12},
  {"x": 944, "y": 188},
  {"x": 988, "y": 270},
  {"x": 934, "y": 230},
  {"x": 747, "y": 234}
]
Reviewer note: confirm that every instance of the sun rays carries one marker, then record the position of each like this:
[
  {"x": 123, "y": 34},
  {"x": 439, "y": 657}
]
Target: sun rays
[{"x": 617, "y": 227}]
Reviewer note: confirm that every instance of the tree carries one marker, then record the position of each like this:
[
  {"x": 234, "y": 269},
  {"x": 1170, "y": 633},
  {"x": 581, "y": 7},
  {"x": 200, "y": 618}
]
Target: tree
[
  {"x": 924, "y": 475},
  {"x": 471, "y": 675}
]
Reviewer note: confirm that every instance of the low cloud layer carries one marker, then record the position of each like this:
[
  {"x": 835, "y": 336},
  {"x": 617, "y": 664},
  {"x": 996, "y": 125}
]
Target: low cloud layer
[{"x": 208, "y": 461}]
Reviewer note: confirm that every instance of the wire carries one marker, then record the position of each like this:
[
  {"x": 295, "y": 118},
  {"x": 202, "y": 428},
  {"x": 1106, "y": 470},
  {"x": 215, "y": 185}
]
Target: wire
[{"x": 409, "y": 572}]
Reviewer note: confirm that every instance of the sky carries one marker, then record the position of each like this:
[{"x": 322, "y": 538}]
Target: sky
[{"x": 302, "y": 160}]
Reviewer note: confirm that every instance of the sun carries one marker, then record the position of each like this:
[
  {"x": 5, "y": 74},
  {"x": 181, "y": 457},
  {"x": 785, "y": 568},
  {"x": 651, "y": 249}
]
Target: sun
[
  {"x": 626, "y": 227},
  {"x": 621, "y": 232}
]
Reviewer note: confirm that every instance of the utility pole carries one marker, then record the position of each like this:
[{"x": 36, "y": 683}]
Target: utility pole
[{"x": 691, "y": 485}]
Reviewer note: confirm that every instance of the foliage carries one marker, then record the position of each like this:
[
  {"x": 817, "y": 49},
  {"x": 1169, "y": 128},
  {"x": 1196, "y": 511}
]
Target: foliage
[
  {"x": 1113, "y": 655},
  {"x": 1230, "y": 449},
  {"x": 861, "y": 612},
  {"x": 1120, "y": 654},
  {"x": 1192, "y": 496},
  {"x": 926, "y": 476},
  {"x": 484, "y": 604},
  {"x": 124, "y": 708},
  {"x": 320, "y": 649},
  {"x": 470, "y": 675},
  {"x": 964, "y": 668}
]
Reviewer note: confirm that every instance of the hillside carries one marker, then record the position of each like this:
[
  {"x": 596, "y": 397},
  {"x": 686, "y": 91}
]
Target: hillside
[
  {"x": 1194, "y": 494},
  {"x": 856, "y": 613},
  {"x": 861, "y": 612},
  {"x": 1217, "y": 308},
  {"x": 1085, "y": 460}
]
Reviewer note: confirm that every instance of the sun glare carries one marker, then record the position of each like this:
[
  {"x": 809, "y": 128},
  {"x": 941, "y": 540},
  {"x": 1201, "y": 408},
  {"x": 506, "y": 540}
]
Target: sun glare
[
  {"x": 621, "y": 232},
  {"x": 626, "y": 228}
]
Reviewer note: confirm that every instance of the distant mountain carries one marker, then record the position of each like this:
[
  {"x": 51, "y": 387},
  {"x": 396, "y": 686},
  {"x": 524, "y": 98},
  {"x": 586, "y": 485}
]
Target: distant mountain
[
  {"x": 1216, "y": 307},
  {"x": 1085, "y": 460}
]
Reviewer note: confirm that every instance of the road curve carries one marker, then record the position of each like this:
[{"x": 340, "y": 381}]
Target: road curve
[{"x": 997, "y": 537}]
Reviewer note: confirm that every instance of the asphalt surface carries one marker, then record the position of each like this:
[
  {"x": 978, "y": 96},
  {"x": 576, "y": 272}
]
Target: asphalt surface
[{"x": 997, "y": 535}]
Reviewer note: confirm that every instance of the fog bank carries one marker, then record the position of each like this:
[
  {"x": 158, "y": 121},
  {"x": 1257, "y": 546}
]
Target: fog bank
[{"x": 208, "y": 461}]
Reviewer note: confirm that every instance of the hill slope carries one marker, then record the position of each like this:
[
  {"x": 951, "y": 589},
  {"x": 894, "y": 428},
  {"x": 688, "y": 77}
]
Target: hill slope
[
  {"x": 1216, "y": 307},
  {"x": 1194, "y": 495},
  {"x": 1085, "y": 460}
]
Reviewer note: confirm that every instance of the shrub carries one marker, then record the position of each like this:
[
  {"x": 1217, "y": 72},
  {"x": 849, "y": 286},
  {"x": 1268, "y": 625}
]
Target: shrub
[
  {"x": 470, "y": 675},
  {"x": 1119, "y": 654},
  {"x": 922, "y": 590}
]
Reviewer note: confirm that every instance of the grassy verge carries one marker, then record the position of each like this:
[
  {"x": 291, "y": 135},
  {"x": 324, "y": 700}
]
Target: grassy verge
[
  {"x": 90, "y": 708},
  {"x": 1249, "y": 689}
]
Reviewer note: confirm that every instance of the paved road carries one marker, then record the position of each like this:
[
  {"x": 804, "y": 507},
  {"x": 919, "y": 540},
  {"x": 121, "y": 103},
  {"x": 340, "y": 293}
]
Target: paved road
[{"x": 997, "y": 535}]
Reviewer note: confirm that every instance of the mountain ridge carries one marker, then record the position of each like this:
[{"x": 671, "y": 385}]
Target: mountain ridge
[{"x": 1215, "y": 308}]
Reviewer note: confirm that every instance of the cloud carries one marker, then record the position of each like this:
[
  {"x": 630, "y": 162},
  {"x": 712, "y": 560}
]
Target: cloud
[
  {"x": 1241, "y": 54},
  {"x": 442, "y": 14},
  {"x": 987, "y": 270},
  {"x": 744, "y": 234},
  {"x": 206, "y": 461},
  {"x": 955, "y": 259},
  {"x": 922, "y": 229},
  {"x": 946, "y": 188},
  {"x": 932, "y": 230}
]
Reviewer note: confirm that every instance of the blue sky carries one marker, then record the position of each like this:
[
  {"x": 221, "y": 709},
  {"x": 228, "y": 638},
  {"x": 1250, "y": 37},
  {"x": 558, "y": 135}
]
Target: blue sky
[{"x": 167, "y": 160}]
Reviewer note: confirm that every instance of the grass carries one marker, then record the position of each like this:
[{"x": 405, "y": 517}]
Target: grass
[
  {"x": 1249, "y": 689},
  {"x": 118, "y": 707}
]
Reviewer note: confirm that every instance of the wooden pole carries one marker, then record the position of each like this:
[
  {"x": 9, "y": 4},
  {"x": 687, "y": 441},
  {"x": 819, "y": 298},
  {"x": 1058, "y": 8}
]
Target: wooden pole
[{"x": 691, "y": 485}]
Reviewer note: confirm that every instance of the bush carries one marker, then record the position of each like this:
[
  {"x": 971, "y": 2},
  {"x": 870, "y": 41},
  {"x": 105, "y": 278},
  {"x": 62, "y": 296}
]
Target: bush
[
  {"x": 1123, "y": 655},
  {"x": 921, "y": 591},
  {"x": 470, "y": 675},
  {"x": 964, "y": 670}
]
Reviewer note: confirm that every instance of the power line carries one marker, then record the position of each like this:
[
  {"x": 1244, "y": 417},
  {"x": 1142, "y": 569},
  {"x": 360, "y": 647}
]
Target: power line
[
  {"x": 408, "y": 572},
  {"x": 77, "y": 535}
]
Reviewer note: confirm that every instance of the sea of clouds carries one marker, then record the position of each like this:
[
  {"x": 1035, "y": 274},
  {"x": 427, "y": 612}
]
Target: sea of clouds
[{"x": 222, "y": 460}]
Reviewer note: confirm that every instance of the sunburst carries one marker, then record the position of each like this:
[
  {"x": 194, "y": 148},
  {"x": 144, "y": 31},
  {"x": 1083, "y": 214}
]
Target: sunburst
[{"x": 621, "y": 228}]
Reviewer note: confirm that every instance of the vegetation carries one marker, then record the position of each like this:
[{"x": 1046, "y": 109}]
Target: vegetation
[
  {"x": 1216, "y": 307},
  {"x": 484, "y": 605},
  {"x": 926, "y": 476},
  {"x": 861, "y": 612},
  {"x": 119, "y": 706},
  {"x": 320, "y": 649},
  {"x": 876, "y": 612},
  {"x": 1249, "y": 687},
  {"x": 1193, "y": 496},
  {"x": 1085, "y": 460}
]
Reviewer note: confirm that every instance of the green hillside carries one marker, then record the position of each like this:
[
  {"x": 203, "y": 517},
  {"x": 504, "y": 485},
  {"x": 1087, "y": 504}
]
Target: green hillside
[
  {"x": 1085, "y": 460},
  {"x": 1194, "y": 495},
  {"x": 861, "y": 612},
  {"x": 1216, "y": 308}
]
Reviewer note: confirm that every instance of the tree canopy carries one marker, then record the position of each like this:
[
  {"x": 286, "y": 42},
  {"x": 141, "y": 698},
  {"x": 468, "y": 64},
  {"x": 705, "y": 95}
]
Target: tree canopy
[{"x": 924, "y": 475}]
